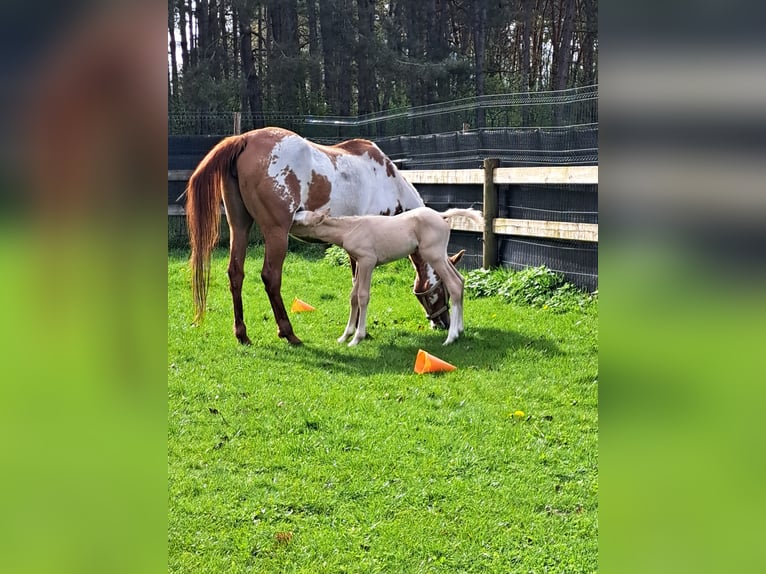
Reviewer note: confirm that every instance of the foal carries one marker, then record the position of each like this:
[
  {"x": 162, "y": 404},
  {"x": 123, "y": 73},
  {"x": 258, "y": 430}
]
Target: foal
[{"x": 372, "y": 240}]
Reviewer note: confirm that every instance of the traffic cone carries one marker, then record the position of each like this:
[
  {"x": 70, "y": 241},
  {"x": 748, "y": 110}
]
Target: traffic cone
[
  {"x": 299, "y": 306},
  {"x": 427, "y": 363}
]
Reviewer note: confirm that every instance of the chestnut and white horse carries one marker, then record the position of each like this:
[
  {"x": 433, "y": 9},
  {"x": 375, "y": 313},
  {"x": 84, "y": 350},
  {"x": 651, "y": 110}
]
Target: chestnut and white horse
[
  {"x": 373, "y": 240},
  {"x": 265, "y": 175}
]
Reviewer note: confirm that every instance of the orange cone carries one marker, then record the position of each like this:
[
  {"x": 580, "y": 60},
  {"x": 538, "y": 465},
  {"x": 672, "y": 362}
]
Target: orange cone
[
  {"x": 427, "y": 363},
  {"x": 300, "y": 306}
]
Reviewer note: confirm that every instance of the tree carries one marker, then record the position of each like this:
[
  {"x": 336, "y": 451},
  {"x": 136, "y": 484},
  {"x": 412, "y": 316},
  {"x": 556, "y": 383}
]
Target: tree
[
  {"x": 342, "y": 57},
  {"x": 251, "y": 97}
]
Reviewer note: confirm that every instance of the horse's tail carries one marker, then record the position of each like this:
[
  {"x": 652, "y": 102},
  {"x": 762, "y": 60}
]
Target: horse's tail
[
  {"x": 471, "y": 214},
  {"x": 203, "y": 212}
]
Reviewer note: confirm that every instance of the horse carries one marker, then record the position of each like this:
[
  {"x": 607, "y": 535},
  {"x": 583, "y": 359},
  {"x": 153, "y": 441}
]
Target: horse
[
  {"x": 373, "y": 240},
  {"x": 265, "y": 176}
]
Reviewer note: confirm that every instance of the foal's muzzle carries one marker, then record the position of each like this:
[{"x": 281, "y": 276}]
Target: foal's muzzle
[{"x": 437, "y": 313}]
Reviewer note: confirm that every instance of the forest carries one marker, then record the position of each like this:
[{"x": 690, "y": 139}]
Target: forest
[{"x": 358, "y": 57}]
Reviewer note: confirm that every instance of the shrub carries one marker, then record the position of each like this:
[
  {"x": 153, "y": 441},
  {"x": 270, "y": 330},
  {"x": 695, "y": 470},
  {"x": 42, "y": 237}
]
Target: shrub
[
  {"x": 531, "y": 286},
  {"x": 485, "y": 282},
  {"x": 336, "y": 256},
  {"x": 535, "y": 286}
]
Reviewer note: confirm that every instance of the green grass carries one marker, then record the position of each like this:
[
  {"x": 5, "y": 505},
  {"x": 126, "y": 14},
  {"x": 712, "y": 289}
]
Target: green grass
[{"x": 326, "y": 459}]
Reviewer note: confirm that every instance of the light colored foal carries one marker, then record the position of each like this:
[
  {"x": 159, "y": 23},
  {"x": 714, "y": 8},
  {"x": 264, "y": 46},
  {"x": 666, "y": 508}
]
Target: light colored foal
[{"x": 373, "y": 240}]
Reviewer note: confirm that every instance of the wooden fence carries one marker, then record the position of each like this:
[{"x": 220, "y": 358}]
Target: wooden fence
[{"x": 488, "y": 177}]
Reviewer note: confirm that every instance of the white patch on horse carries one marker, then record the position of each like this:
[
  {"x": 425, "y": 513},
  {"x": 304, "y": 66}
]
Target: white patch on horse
[
  {"x": 279, "y": 170},
  {"x": 358, "y": 184}
]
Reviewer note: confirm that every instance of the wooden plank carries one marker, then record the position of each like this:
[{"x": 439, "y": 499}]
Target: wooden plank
[
  {"x": 549, "y": 229},
  {"x": 179, "y": 174},
  {"x": 587, "y": 175},
  {"x": 440, "y": 176},
  {"x": 177, "y": 209},
  {"x": 465, "y": 224},
  {"x": 575, "y": 174}
]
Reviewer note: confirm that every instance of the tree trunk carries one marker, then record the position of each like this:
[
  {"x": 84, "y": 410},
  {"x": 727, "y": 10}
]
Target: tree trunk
[
  {"x": 479, "y": 47},
  {"x": 184, "y": 41},
  {"x": 525, "y": 65},
  {"x": 588, "y": 42},
  {"x": 365, "y": 64},
  {"x": 345, "y": 25},
  {"x": 250, "y": 96},
  {"x": 327, "y": 11},
  {"x": 173, "y": 79},
  {"x": 315, "y": 58},
  {"x": 562, "y": 57}
]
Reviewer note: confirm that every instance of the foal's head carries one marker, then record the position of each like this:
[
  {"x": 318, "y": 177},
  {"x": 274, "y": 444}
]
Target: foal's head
[
  {"x": 305, "y": 218},
  {"x": 430, "y": 290}
]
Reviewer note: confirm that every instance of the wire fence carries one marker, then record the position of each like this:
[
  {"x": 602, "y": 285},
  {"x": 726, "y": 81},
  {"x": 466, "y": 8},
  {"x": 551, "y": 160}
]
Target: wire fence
[
  {"x": 523, "y": 129},
  {"x": 520, "y": 129},
  {"x": 525, "y": 110}
]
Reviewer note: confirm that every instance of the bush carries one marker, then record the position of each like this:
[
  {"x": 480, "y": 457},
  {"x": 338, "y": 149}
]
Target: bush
[
  {"x": 535, "y": 286},
  {"x": 336, "y": 256},
  {"x": 485, "y": 282}
]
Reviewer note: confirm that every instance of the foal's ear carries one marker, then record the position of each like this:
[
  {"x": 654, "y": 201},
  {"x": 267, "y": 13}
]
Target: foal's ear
[
  {"x": 323, "y": 213},
  {"x": 457, "y": 256}
]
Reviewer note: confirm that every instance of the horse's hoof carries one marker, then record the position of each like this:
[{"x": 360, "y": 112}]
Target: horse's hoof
[
  {"x": 244, "y": 340},
  {"x": 291, "y": 338}
]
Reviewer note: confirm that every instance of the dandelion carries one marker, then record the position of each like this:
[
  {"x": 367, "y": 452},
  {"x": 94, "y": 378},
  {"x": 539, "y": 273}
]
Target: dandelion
[{"x": 518, "y": 414}]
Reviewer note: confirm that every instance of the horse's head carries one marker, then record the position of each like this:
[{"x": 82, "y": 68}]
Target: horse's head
[{"x": 430, "y": 291}]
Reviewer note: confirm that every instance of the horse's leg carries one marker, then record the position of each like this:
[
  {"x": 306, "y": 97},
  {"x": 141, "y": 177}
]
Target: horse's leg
[
  {"x": 453, "y": 282},
  {"x": 271, "y": 274},
  {"x": 362, "y": 286},
  {"x": 240, "y": 223},
  {"x": 353, "y": 316},
  {"x": 237, "y": 251}
]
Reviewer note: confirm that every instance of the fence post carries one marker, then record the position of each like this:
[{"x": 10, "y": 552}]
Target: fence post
[
  {"x": 489, "y": 255},
  {"x": 237, "y": 123}
]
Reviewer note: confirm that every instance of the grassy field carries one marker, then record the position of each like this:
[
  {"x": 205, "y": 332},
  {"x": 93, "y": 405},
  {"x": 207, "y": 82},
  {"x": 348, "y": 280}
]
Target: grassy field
[{"x": 326, "y": 459}]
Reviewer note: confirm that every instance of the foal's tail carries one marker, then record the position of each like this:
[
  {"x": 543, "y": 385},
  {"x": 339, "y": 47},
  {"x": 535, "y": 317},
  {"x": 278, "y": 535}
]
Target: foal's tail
[
  {"x": 471, "y": 214},
  {"x": 203, "y": 212}
]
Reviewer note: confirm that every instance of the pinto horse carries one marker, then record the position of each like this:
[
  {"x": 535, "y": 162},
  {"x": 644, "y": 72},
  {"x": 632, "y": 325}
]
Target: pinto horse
[
  {"x": 373, "y": 240},
  {"x": 266, "y": 176}
]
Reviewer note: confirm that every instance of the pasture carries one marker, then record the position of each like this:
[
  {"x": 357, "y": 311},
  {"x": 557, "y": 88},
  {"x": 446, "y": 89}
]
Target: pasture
[{"x": 324, "y": 459}]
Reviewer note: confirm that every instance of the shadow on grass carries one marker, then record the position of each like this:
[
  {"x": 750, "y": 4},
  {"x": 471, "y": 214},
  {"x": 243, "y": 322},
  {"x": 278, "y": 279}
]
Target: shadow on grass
[{"x": 480, "y": 348}]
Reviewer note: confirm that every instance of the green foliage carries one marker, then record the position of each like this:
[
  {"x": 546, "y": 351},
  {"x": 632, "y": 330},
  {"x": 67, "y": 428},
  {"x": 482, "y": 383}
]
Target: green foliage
[
  {"x": 336, "y": 256},
  {"x": 485, "y": 282},
  {"x": 324, "y": 458},
  {"x": 534, "y": 286}
]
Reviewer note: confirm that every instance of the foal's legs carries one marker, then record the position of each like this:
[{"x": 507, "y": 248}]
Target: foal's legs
[
  {"x": 453, "y": 281},
  {"x": 353, "y": 316},
  {"x": 362, "y": 288}
]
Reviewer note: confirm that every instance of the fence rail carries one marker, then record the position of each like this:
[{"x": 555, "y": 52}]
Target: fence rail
[{"x": 487, "y": 178}]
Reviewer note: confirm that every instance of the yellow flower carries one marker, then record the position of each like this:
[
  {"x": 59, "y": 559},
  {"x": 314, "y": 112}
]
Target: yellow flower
[{"x": 518, "y": 414}]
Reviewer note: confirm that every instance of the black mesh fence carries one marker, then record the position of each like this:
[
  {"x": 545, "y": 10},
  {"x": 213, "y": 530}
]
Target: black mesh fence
[
  {"x": 530, "y": 129},
  {"x": 576, "y": 260}
]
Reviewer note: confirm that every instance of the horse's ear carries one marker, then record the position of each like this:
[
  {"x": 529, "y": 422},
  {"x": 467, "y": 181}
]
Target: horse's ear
[{"x": 457, "y": 256}]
